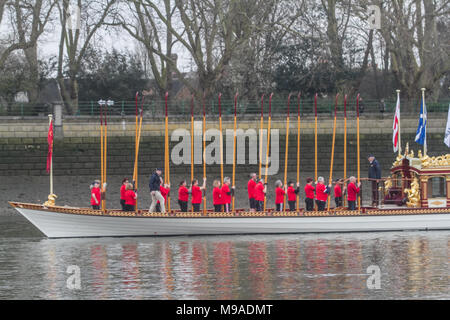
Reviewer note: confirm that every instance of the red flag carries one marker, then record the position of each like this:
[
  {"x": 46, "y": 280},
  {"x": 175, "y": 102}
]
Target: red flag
[
  {"x": 396, "y": 126},
  {"x": 50, "y": 145}
]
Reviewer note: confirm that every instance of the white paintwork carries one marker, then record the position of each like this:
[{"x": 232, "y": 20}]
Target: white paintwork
[
  {"x": 62, "y": 225},
  {"x": 437, "y": 202}
]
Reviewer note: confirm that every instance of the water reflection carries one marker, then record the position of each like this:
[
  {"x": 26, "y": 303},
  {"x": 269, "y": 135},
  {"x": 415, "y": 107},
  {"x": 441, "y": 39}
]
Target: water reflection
[{"x": 413, "y": 265}]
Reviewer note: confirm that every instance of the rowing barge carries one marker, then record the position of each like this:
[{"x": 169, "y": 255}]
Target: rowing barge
[{"x": 66, "y": 222}]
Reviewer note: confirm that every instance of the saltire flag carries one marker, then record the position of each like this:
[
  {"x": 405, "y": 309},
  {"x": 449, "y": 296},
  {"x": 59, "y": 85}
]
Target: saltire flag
[
  {"x": 396, "y": 126},
  {"x": 50, "y": 145},
  {"x": 447, "y": 129},
  {"x": 421, "y": 134}
]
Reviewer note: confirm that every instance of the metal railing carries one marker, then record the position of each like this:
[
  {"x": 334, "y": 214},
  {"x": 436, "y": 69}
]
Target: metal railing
[{"x": 182, "y": 109}]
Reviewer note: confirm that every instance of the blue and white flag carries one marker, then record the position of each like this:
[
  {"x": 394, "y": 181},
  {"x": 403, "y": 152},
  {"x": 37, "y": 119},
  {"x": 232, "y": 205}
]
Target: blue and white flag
[
  {"x": 421, "y": 134},
  {"x": 447, "y": 129}
]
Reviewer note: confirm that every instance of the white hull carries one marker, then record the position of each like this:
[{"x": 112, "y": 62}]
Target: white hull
[{"x": 63, "y": 225}]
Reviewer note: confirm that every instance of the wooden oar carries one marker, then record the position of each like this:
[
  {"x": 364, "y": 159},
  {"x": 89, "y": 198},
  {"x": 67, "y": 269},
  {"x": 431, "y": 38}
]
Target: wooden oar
[
  {"x": 105, "y": 156},
  {"x": 286, "y": 154},
  {"x": 221, "y": 139},
  {"x": 315, "y": 142},
  {"x": 234, "y": 148},
  {"x": 204, "y": 153},
  {"x": 315, "y": 137},
  {"x": 332, "y": 148},
  {"x": 298, "y": 146},
  {"x": 261, "y": 136},
  {"x": 192, "y": 137},
  {"x": 136, "y": 156},
  {"x": 358, "y": 148},
  {"x": 345, "y": 147},
  {"x": 166, "y": 151},
  {"x": 268, "y": 145},
  {"x": 102, "y": 150}
]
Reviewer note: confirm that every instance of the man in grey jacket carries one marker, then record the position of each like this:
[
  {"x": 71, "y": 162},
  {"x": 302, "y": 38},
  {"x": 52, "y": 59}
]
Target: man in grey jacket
[
  {"x": 155, "y": 191},
  {"x": 375, "y": 176}
]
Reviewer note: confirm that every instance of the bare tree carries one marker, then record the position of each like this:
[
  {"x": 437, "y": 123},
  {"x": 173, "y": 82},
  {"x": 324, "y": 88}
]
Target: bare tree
[
  {"x": 76, "y": 36},
  {"x": 418, "y": 50}
]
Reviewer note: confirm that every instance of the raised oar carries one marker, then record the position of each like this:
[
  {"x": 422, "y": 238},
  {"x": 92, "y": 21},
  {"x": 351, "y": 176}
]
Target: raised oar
[
  {"x": 298, "y": 146},
  {"x": 135, "y": 139},
  {"x": 166, "y": 151},
  {"x": 315, "y": 141},
  {"x": 286, "y": 150},
  {"x": 221, "y": 139},
  {"x": 136, "y": 159},
  {"x": 315, "y": 137},
  {"x": 234, "y": 148},
  {"x": 332, "y": 148},
  {"x": 105, "y": 155},
  {"x": 102, "y": 150},
  {"x": 345, "y": 146},
  {"x": 268, "y": 145},
  {"x": 261, "y": 135},
  {"x": 204, "y": 154},
  {"x": 358, "y": 149},
  {"x": 192, "y": 138}
]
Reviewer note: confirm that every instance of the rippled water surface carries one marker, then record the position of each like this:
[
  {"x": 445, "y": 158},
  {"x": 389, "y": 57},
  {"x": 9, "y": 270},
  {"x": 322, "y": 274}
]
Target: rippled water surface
[{"x": 331, "y": 266}]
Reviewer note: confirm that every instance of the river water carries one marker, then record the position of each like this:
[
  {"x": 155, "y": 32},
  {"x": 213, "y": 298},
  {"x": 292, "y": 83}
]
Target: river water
[{"x": 391, "y": 265}]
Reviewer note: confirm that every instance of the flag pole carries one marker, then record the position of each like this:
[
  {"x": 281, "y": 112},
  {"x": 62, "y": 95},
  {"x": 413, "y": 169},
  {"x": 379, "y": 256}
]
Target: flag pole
[
  {"x": 102, "y": 163},
  {"x": 166, "y": 151},
  {"x": 204, "y": 152},
  {"x": 425, "y": 140},
  {"x": 268, "y": 145},
  {"x": 345, "y": 146},
  {"x": 358, "y": 147},
  {"x": 332, "y": 147},
  {"x": 286, "y": 149},
  {"x": 234, "y": 148},
  {"x": 399, "y": 127},
  {"x": 50, "y": 119},
  {"x": 261, "y": 135},
  {"x": 298, "y": 146}
]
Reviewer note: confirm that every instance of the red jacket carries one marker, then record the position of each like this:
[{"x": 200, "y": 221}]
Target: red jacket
[
  {"x": 98, "y": 196},
  {"x": 337, "y": 191},
  {"x": 226, "y": 198},
  {"x": 309, "y": 191},
  {"x": 259, "y": 192},
  {"x": 279, "y": 195},
  {"x": 122, "y": 192},
  {"x": 352, "y": 191},
  {"x": 292, "y": 196},
  {"x": 217, "y": 196},
  {"x": 183, "y": 193},
  {"x": 320, "y": 192},
  {"x": 164, "y": 193},
  {"x": 196, "y": 194},
  {"x": 251, "y": 188},
  {"x": 130, "y": 198}
]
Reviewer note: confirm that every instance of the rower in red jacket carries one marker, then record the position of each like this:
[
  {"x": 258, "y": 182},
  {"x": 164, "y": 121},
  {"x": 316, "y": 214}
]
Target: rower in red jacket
[
  {"x": 197, "y": 196},
  {"x": 292, "y": 195},
  {"x": 338, "y": 192},
  {"x": 217, "y": 196},
  {"x": 309, "y": 194},
  {"x": 96, "y": 195},
  {"x": 123, "y": 189},
  {"x": 251, "y": 191},
  {"x": 279, "y": 195},
  {"x": 260, "y": 194},
  {"x": 130, "y": 198},
  {"x": 352, "y": 193},
  {"x": 183, "y": 196},
  {"x": 322, "y": 192},
  {"x": 227, "y": 193},
  {"x": 164, "y": 192}
]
